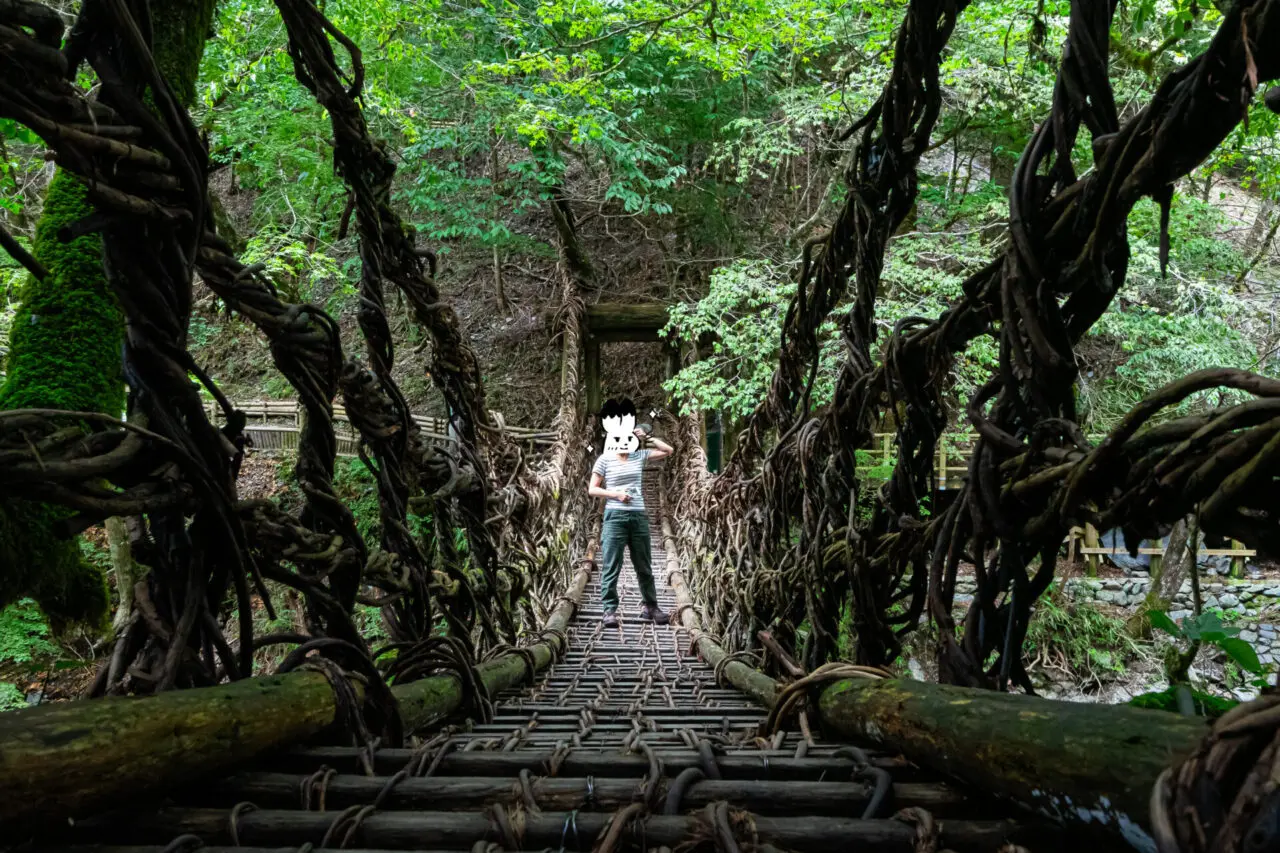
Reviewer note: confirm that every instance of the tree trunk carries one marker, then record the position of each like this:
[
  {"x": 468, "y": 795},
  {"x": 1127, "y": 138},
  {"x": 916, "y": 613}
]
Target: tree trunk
[
  {"x": 503, "y": 305},
  {"x": 572, "y": 252},
  {"x": 124, "y": 568},
  {"x": 1261, "y": 224},
  {"x": 65, "y": 348},
  {"x": 1166, "y": 580}
]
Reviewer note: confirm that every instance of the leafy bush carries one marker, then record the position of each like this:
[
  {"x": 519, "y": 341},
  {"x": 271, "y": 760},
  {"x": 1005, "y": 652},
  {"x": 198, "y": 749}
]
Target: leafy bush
[
  {"x": 1077, "y": 636},
  {"x": 24, "y": 635},
  {"x": 1207, "y": 628},
  {"x": 11, "y": 697},
  {"x": 744, "y": 307}
]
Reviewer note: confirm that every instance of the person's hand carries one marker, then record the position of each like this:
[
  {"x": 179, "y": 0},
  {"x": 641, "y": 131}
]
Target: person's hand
[
  {"x": 625, "y": 497},
  {"x": 640, "y": 434}
]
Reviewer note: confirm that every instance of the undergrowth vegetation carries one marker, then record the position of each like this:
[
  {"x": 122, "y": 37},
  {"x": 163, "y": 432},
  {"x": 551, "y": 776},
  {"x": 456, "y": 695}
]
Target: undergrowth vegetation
[{"x": 1077, "y": 639}]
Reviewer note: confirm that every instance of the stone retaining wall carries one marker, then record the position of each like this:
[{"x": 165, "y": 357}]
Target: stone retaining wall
[{"x": 1256, "y": 605}]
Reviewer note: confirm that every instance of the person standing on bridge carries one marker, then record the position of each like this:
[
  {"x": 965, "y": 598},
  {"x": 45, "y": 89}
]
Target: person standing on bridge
[{"x": 618, "y": 477}]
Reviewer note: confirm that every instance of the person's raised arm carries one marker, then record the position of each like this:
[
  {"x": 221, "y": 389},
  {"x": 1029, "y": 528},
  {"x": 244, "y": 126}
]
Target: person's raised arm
[{"x": 659, "y": 448}]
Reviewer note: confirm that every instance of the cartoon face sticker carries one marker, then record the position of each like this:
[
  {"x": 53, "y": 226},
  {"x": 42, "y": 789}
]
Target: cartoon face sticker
[{"x": 619, "y": 419}]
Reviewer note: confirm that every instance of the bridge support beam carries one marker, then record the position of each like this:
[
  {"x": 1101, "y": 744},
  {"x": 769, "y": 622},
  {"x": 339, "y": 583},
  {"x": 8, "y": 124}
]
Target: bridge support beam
[
  {"x": 1080, "y": 763},
  {"x": 72, "y": 760},
  {"x": 749, "y": 680}
]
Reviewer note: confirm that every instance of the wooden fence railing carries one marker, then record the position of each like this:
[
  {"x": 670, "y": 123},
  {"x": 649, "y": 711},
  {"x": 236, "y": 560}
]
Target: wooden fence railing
[{"x": 276, "y": 425}]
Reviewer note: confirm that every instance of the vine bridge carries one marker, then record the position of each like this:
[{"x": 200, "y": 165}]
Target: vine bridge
[{"x": 500, "y": 715}]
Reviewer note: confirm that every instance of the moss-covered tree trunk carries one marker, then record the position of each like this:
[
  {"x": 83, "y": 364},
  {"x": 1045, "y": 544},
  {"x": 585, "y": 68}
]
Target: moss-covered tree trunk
[
  {"x": 1166, "y": 580},
  {"x": 66, "y": 350}
]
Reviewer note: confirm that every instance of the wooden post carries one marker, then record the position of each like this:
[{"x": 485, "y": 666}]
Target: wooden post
[
  {"x": 885, "y": 447},
  {"x": 1091, "y": 541},
  {"x": 593, "y": 375},
  {"x": 1237, "y": 563}
]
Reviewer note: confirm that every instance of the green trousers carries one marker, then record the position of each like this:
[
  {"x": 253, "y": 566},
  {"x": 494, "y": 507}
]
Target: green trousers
[{"x": 626, "y": 528}]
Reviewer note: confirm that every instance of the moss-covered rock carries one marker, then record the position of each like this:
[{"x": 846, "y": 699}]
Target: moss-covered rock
[{"x": 1205, "y": 705}]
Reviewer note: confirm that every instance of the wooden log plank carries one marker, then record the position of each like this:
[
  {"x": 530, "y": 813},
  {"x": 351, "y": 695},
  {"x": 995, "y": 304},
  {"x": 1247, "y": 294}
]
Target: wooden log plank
[
  {"x": 66, "y": 760},
  {"x": 625, "y": 317},
  {"x": 1079, "y": 763},
  {"x": 585, "y": 762},
  {"x": 460, "y": 830},
  {"x": 1159, "y": 552},
  {"x": 281, "y": 791}
]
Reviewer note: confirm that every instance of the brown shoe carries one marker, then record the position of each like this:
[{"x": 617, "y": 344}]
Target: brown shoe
[
  {"x": 611, "y": 619},
  {"x": 652, "y": 613}
]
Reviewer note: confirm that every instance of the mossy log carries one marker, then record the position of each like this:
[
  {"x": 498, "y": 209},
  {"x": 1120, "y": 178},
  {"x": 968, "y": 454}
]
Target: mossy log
[
  {"x": 605, "y": 319},
  {"x": 1076, "y": 762},
  {"x": 70, "y": 760},
  {"x": 750, "y": 681}
]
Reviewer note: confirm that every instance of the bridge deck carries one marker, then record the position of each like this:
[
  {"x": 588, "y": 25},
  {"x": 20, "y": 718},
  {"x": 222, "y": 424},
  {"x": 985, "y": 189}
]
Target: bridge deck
[{"x": 627, "y": 743}]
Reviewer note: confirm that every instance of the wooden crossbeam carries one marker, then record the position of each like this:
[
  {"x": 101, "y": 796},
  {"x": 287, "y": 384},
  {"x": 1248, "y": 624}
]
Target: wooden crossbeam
[{"x": 1158, "y": 552}]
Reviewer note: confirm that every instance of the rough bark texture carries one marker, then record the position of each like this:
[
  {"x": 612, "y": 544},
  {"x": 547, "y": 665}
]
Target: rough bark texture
[
  {"x": 1083, "y": 764},
  {"x": 124, "y": 568},
  {"x": 1166, "y": 579},
  {"x": 66, "y": 351}
]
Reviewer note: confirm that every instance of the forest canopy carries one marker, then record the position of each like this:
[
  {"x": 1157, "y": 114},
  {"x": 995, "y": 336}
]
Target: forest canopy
[{"x": 700, "y": 145}]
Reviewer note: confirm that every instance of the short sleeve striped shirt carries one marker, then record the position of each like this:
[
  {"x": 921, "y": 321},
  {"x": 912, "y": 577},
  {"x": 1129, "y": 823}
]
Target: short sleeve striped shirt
[{"x": 623, "y": 475}]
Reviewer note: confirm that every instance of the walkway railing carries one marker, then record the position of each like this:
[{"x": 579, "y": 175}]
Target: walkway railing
[{"x": 276, "y": 425}]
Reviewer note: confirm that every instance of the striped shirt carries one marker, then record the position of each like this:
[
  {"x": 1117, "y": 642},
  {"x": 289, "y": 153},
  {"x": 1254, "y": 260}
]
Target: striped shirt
[{"x": 623, "y": 475}]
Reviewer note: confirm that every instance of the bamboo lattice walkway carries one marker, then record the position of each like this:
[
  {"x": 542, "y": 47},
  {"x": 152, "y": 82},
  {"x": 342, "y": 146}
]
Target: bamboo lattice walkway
[{"x": 626, "y": 743}]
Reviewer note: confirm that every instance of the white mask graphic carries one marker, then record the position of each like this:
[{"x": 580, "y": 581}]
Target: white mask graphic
[
  {"x": 619, "y": 420},
  {"x": 620, "y": 434}
]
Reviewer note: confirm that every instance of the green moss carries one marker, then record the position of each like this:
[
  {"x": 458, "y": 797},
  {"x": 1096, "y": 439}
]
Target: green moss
[
  {"x": 1166, "y": 700},
  {"x": 48, "y": 569},
  {"x": 68, "y": 333},
  {"x": 181, "y": 28},
  {"x": 65, "y": 352}
]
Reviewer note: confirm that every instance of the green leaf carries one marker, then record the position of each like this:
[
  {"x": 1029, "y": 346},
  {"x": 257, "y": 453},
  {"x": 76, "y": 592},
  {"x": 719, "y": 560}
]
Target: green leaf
[
  {"x": 1160, "y": 619},
  {"x": 11, "y": 697},
  {"x": 1243, "y": 654}
]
